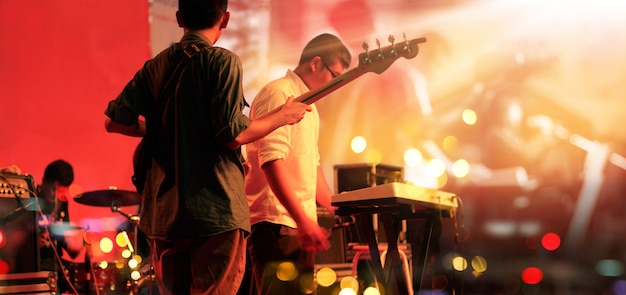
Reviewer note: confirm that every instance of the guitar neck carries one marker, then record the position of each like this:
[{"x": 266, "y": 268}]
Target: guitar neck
[
  {"x": 376, "y": 61},
  {"x": 336, "y": 83}
]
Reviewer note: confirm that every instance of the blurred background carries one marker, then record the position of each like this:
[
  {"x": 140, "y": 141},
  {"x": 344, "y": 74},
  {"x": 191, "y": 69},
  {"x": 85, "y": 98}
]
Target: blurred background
[{"x": 515, "y": 106}]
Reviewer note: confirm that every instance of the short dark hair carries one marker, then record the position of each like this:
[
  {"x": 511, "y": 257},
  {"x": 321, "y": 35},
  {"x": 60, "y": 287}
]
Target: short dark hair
[
  {"x": 201, "y": 14},
  {"x": 329, "y": 48},
  {"x": 60, "y": 171}
]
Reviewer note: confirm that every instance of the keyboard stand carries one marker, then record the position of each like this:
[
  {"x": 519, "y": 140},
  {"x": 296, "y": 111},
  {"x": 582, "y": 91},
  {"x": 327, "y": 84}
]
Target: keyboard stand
[{"x": 392, "y": 277}]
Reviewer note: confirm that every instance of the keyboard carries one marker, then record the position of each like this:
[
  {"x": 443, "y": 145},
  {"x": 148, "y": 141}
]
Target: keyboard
[{"x": 397, "y": 193}]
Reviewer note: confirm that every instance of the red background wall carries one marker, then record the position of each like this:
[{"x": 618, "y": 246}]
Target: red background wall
[{"x": 60, "y": 63}]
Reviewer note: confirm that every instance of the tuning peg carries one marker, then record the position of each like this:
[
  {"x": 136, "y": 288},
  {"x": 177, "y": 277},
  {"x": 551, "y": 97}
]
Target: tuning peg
[
  {"x": 391, "y": 39},
  {"x": 406, "y": 43},
  {"x": 367, "y": 53},
  {"x": 380, "y": 51}
]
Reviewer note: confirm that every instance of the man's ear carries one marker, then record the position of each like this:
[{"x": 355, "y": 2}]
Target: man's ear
[
  {"x": 225, "y": 19},
  {"x": 179, "y": 19},
  {"x": 316, "y": 63}
]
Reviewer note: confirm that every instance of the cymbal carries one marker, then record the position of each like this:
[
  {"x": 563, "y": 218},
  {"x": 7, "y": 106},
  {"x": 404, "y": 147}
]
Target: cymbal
[{"x": 108, "y": 198}]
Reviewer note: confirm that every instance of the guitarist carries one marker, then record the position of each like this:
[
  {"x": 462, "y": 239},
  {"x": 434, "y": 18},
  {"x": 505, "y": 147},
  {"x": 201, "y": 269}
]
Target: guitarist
[
  {"x": 286, "y": 180},
  {"x": 194, "y": 210}
]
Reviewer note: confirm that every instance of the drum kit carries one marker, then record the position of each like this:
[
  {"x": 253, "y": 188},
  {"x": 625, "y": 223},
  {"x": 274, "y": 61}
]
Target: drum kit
[{"x": 129, "y": 272}]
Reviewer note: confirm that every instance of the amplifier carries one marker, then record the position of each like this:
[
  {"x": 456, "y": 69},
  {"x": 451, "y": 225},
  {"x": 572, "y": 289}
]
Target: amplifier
[
  {"x": 19, "y": 251},
  {"x": 350, "y": 177},
  {"x": 12, "y": 185}
]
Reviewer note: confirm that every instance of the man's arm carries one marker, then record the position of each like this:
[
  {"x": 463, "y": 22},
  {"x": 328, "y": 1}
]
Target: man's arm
[
  {"x": 312, "y": 236},
  {"x": 136, "y": 130},
  {"x": 323, "y": 194},
  {"x": 290, "y": 113}
]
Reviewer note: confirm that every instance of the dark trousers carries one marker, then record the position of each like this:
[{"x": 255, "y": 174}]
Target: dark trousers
[
  {"x": 279, "y": 266},
  {"x": 213, "y": 265}
]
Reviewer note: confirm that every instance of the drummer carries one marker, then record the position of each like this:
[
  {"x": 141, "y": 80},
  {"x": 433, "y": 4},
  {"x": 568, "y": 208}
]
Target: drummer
[{"x": 54, "y": 193}]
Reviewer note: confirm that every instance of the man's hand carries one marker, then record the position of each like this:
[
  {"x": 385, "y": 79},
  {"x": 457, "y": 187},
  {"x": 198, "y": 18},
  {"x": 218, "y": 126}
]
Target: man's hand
[
  {"x": 313, "y": 237},
  {"x": 293, "y": 111},
  {"x": 13, "y": 169}
]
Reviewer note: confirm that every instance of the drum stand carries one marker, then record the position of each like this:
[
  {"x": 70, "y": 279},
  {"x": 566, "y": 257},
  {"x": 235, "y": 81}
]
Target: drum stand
[{"x": 134, "y": 220}]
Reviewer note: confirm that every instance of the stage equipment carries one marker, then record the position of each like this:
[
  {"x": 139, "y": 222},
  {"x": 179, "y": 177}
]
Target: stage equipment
[
  {"x": 395, "y": 203},
  {"x": 19, "y": 247},
  {"x": 350, "y": 177},
  {"x": 109, "y": 198},
  {"x": 41, "y": 282}
]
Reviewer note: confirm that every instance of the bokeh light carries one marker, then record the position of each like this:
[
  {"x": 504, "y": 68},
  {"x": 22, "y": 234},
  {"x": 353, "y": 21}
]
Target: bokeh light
[
  {"x": 103, "y": 264},
  {"x": 326, "y": 276},
  {"x": 106, "y": 245},
  {"x": 132, "y": 263},
  {"x": 529, "y": 227},
  {"x": 349, "y": 282},
  {"x": 413, "y": 157},
  {"x": 76, "y": 190},
  {"x": 469, "y": 117},
  {"x": 286, "y": 271},
  {"x": 460, "y": 168},
  {"x": 371, "y": 291},
  {"x": 532, "y": 275},
  {"x": 450, "y": 144},
  {"x": 551, "y": 241},
  {"x": 4, "y": 267},
  {"x": 126, "y": 253},
  {"x": 3, "y": 240},
  {"x": 610, "y": 268},
  {"x": 347, "y": 291},
  {"x": 121, "y": 239},
  {"x": 459, "y": 263},
  {"x": 479, "y": 264},
  {"x": 358, "y": 144}
]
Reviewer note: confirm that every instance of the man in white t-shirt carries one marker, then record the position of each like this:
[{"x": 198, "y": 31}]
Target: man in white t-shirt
[{"x": 285, "y": 181}]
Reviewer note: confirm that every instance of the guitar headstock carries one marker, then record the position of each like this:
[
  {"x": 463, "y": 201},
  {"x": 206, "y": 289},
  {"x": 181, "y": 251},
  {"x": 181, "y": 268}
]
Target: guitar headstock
[{"x": 379, "y": 59}]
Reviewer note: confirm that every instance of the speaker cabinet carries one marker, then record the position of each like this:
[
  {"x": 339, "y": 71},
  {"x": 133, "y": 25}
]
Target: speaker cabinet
[
  {"x": 356, "y": 176},
  {"x": 19, "y": 250}
]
